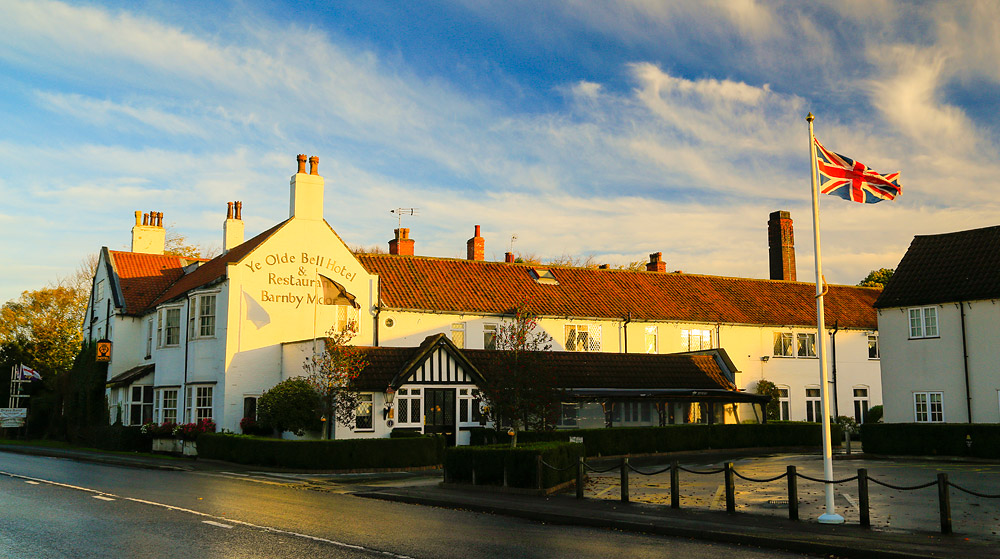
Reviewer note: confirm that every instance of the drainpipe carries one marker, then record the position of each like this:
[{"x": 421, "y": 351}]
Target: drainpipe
[
  {"x": 833, "y": 354},
  {"x": 625, "y": 329},
  {"x": 187, "y": 341},
  {"x": 965, "y": 362}
]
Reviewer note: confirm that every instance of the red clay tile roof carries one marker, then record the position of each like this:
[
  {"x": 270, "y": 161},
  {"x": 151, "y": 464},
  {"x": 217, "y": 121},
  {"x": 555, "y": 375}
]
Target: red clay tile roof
[
  {"x": 451, "y": 285},
  {"x": 144, "y": 276},
  {"x": 214, "y": 268},
  {"x": 961, "y": 266}
]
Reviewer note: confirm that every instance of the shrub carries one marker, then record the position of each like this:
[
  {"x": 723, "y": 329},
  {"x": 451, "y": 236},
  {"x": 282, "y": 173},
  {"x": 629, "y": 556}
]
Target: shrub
[
  {"x": 673, "y": 438},
  {"x": 942, "y": 439},
  {"x": 874, "y": 414},
  {"x": 165, "y": 429},
  {"x": 345, "y": 454},
  {"x": 191, "y": 431},
  {"x": 251, "y": 426},
  {"x": 291, "y": 405},
  {"x": 520, "y": 463}
]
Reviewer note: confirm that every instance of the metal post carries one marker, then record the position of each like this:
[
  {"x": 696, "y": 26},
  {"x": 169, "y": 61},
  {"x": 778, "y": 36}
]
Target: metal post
[
  {"x": 538, "y": 472},
  {"x": 579, "y": 477},
  {"x": 624, "y": 479},
  {"x": 793, "y": 494},
  {"x": 945, "y": 501},
  {"x": 675, "y": 483},
  {"x": 830, "y": 516},
  {"x": 730, "y": 488},
  {"x": 863, "y": 508}
]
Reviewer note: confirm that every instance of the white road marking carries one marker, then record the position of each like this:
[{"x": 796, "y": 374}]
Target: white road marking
[
  {"x": 102, "y": 497},
  {"x": 101, "y": 494},
  {"x": 850, "y": 500},
  {"x": 31, "y": 482},
  {"x": 214, "y": 523}
]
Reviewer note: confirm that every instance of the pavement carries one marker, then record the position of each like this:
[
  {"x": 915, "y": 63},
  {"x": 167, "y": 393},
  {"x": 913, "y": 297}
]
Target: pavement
[{"x": 423, "y": 487}]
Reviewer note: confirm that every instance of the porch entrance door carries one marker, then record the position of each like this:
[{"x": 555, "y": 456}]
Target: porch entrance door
[{"x": 439, "y": 412}]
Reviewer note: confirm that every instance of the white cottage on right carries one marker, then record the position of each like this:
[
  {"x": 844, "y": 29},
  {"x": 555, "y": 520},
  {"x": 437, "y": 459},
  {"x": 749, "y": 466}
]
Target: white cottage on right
[{"x": 939, "y": 330}]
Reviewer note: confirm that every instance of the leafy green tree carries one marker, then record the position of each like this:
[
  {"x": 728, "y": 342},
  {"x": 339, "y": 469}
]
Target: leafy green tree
[
  {"x": 332, "y": 374},
  {"x": 877, "y": 278},
  {"x": 773, "y": 408},
  {"x": 46, "y": 326},
  {"x": 291, "y": 405},
  {"x": 519, "y": 391}
]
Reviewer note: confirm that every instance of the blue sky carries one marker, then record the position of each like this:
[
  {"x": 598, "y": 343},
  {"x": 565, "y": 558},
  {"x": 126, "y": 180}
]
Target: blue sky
[{"x": 591, "y": 129}]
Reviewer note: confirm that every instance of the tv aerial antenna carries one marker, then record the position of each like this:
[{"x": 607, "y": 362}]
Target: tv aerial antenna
[
  {"x": 400, "y": 212},
  {"x": 512, "y": 239}
]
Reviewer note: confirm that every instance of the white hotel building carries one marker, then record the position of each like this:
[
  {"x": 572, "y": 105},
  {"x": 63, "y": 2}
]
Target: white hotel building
[{"x": 199, "y": 338}]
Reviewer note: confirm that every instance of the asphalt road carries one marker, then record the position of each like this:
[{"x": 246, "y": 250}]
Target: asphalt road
[
  {"x": 915, "y": 510},
  {"x": 60, "y": 508}
]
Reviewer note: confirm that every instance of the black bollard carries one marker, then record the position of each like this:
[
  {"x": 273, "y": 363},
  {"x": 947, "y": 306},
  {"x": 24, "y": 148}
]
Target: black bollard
[
  {"x": 624, "y": 479},
  {"x": 863, "y": 508},
  {"x": 675, "y": 486},
  {"x": 793, "y": 494}
]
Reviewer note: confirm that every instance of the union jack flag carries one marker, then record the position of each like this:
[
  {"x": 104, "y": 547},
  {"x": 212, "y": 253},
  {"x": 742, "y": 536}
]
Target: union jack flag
[{"x": 852, "y": 180}]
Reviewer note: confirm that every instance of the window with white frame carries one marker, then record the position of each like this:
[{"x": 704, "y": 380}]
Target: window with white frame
[
  {"x": 582, "y": 337},
  {"x": 363, "y": 413},
  {"x": 489, "y": 336},
  {"x": 783, "y": 404},
  {"x": 792, "y": 344},
  {"x": 201, "y": 321},
  {"x": 569, "y": 414},
  {"x": 860, "y": 403},
  {"x": 409, "y": 408},
  {"x": 928, "y": 407},
  {"x": 814, "y": 406},
  {"x": 923, "y": 322},
  {"x": 873, "y": 352},
  {"x": 468, "y": 406},
  {"x": 783, "y": 344},
  {"x": 650, "y": 339},
  {"x": 458, "y": 334},
  {"x": 114, "y": 408},
  {"x": 149, "y": 338},
  {"x": 805, "y": 345},
  {"x": 199, "y": 402},
  {"x": 694, "y": 340},
  {"x": 169, "y": 327},
  {"x": 140, "y": 405},
  {"x": 165, "y": 405}
]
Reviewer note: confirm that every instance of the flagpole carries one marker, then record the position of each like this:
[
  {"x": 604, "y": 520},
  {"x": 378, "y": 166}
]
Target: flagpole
[{"x": 831, "y": 516}]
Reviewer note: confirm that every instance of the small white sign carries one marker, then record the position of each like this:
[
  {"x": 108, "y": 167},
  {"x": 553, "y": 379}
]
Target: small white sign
[{"x": 576, "y": 440}]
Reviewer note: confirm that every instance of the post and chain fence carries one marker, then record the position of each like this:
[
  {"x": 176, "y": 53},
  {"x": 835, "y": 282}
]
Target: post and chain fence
[{"x": 791, "y": 475}]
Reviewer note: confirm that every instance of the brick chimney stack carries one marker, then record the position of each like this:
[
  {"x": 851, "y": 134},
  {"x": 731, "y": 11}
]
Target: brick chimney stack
[
  {"x": 402, "y": 244},
  {"x": 508, "y": 257},
  {"x": 476, "y": 247},
  {"x": 148, "y": 234},
  {"x": 656, "y": 263},
  {"x": 781, "y": 246}
]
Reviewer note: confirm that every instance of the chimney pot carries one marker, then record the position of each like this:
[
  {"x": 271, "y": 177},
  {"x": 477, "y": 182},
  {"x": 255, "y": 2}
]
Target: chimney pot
[
  {"x": 781, "y": 246},
  {"x": 229, "y": 210},
  {"x": 314, "y": 165},
  {"x": 508, "y": 257},
  {"x": 239, "y": 209},
  {"x": 301, "y": 158}
]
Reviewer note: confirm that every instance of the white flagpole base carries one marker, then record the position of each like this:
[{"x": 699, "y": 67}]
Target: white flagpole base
[{"x": 831, "y": 518}]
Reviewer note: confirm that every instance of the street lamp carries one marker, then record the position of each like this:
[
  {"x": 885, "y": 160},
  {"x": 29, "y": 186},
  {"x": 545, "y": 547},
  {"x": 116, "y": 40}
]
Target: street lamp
[{"x": 390, "y": 395}]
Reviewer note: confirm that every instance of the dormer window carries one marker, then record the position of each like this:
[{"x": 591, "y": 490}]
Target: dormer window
[{"x": 544, "y": 276}]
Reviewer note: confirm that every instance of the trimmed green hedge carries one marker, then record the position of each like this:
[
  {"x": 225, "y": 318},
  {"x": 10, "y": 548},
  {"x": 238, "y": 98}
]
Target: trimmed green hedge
[
  {"x": 346, "y": 454},
  {"x": 521, "y": 463},
  {"x": 672, "y": 438},
  {"x": 938, "y": 439}
]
